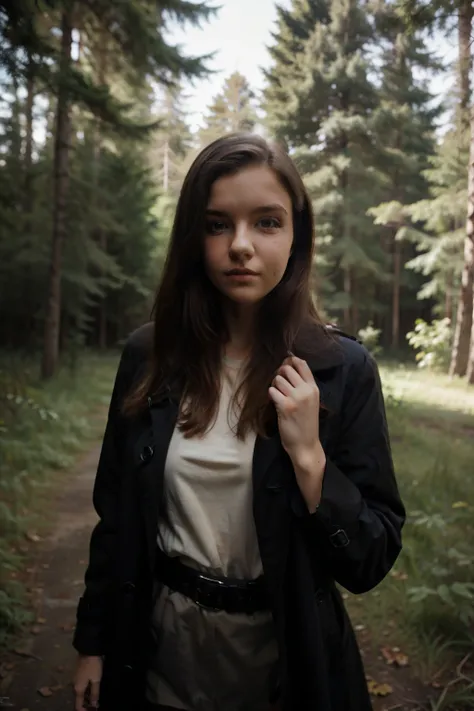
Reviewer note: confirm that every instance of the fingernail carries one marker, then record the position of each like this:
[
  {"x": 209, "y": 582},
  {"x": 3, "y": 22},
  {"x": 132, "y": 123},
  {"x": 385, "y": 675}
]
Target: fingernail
[{"x": 290, "y": 353}]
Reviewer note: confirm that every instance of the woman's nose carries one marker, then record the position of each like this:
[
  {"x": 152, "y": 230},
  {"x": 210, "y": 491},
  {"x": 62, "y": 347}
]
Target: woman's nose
[{"x": 242, "y": 243}]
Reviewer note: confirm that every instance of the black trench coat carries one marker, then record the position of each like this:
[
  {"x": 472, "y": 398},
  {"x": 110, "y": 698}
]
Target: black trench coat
[{"x": 353, "y": 538}]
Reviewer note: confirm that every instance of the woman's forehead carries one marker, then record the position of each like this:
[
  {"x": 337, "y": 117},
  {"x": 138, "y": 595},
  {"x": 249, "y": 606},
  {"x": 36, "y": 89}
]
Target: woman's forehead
[{"x": 249, "y": 188}]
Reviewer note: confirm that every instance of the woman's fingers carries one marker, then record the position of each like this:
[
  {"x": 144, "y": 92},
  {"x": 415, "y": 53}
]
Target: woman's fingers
[
  {"x": 94, "y": 694},
  {"x": 80, "y": 689},
  {"x": 288, "y": 371},
  {"x": 87, "y": 682},
  {"x": 283, "y": 385},
  {"x": 303, "y": 370}
]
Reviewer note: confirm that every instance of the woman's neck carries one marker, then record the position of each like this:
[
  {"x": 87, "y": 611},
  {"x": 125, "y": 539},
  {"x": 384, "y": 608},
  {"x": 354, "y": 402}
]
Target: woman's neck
[{"x": 240, "y": 326}]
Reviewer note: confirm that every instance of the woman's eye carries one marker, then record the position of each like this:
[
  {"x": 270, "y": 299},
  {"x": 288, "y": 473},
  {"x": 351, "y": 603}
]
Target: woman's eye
[
  {"x": 215, "y": 227},
  {"x": 269, "y": 223}
]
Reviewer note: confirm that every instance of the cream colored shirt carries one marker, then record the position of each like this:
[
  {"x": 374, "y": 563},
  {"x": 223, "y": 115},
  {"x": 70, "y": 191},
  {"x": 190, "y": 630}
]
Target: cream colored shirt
[{"x": 211, "y": 660}]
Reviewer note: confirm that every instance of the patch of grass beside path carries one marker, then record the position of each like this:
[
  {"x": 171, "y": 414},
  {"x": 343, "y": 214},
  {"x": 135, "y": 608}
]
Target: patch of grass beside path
[
  {"x": 426, "y": 605},
  {"x": 43, "y": 427}
]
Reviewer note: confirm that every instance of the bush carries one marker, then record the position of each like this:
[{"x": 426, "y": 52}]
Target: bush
[
  {"x": 370, "y": 337},
  {"x": 433, "y": 343}
]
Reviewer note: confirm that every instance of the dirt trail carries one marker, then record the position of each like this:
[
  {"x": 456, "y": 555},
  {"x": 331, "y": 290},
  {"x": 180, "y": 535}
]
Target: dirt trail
[
  {"x": 38, "y": 675},
  {"x": 48, "y": 661}
]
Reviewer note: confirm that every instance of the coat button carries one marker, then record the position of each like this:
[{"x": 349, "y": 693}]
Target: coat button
[
  {"x": 147, "y": 453},
  {"x": 340, "y": 539},
  {"x": 128, "y": 667},
  {"x": 128, "y": 587},
  {"x": 320, "y": 595}
]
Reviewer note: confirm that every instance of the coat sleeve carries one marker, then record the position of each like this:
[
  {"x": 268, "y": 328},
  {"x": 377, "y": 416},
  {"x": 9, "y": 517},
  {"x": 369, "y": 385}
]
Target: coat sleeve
[
  {"x": 93, "y": 612},
  {"x": 356, "y": 529}
]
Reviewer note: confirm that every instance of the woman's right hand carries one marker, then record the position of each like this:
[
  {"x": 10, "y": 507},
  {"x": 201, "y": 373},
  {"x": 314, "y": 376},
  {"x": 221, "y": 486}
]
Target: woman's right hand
[{"x": 87, "y": 678}]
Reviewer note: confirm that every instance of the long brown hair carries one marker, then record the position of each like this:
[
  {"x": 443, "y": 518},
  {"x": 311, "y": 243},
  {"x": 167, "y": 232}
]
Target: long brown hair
[{"x": 189, "y": 325}]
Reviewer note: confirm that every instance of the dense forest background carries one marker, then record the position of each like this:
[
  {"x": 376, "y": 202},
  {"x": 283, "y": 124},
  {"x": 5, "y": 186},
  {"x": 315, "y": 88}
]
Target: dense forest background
[
  {"x": 95, "y": 141},
  {"x": 96, "y": 135}
]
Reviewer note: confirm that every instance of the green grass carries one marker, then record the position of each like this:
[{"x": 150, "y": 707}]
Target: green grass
[
  {"x": 426, "y": 606},
  {"x": 43, "y": 427}
]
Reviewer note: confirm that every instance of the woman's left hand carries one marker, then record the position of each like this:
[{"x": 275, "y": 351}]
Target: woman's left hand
[{"x": 296, "y": 398}]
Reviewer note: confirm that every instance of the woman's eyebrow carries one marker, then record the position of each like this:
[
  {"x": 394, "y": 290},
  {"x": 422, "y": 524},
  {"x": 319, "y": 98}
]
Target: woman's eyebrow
[{"x": 263, "y": 208}]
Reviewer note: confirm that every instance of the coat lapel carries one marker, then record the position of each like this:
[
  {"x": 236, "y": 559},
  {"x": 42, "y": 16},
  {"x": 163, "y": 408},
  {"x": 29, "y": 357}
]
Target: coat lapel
[
  {"x": 267, "y": 450},
  {"x": 151, "y": 455}
]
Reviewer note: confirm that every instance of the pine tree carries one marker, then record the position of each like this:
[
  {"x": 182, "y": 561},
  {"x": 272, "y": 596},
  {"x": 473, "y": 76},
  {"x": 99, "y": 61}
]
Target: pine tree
[
  {"x": 435, "y": 225},
  {"x": 443, "y": 14},
  {"x": 232, "y": 110},
  {"x": 404, "y": 123},
  {"x": 294, "y": 27},
  {"x": 171, "y": 142},
  {"x": 335, "y": 103},
  {"x": 132, "y": 29}
]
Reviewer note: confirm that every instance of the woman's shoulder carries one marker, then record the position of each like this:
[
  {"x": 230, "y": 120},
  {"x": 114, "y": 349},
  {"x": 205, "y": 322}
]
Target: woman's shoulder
[
  {"x": 326, "y": 346},
  {"x": 353, "y": 350},
  {"x": 140, "y": 342},
  {"x": 136, "y": 352}
]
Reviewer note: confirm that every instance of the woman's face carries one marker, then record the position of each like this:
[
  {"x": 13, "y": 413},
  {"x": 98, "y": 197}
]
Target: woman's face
[{"x": 249, "y": 234}]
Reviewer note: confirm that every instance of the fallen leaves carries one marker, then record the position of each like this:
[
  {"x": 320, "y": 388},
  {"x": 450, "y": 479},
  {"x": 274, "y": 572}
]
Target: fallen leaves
[
  {"x": 394, "y": 657},
  {"x": 376, "y": 689},
  {"x": 68, "y": 627},
  {"x": 33, "y": 537},
  {"x": 25, "y": 649},
  {"x": 47, "y": 691}
]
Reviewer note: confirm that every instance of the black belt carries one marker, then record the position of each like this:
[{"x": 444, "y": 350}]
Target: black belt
[{"x": 234, "y": 596}]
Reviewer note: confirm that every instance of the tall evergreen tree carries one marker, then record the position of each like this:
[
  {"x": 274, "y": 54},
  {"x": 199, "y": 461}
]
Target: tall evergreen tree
[
  {"x": 335, "y": 102},
  {"x": 233, "y": 109},
  {"x": 444, "y": 14},
  {"x": 171, "y": 142},
  {"x": 294, "y": 27},
  {"x": 437, "y": 225},
  {"x": 404, "y": 123}
]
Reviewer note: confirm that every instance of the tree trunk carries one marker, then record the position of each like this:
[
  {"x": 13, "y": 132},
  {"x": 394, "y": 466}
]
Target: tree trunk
[
  {"x": 30, "y": 86},
  {"x": 103, "y": 303},
  {"x": 462, "y": 334},
  {"x": 101, "y": 235},
  {"x": 465, "y": 61},
  {"x": 397, "y": 270},
  {"x": 28, "y": 197},
  {"x": 61, "y": 185},
  {"x": 464, "y": 318},
  {"x": 448, "y": 297}
]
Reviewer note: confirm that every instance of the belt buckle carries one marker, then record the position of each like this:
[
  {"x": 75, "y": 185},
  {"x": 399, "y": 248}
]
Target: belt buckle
[{"x": 201, "y": 592}]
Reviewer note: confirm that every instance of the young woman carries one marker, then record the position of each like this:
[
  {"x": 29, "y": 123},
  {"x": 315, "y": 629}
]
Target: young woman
[{"x": 245, "y": 470}]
